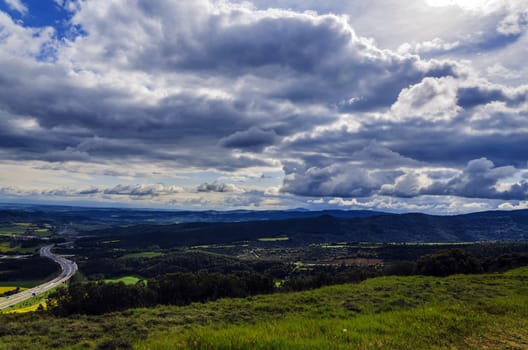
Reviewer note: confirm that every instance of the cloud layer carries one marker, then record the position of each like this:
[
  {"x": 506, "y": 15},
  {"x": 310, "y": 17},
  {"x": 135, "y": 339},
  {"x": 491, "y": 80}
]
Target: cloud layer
[{"x": 232, "y": 91}]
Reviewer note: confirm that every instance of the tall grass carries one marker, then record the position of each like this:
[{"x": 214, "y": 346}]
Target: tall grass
[
  {"x": 459, "y": 312},
  {"x": 456, "y": 312}
]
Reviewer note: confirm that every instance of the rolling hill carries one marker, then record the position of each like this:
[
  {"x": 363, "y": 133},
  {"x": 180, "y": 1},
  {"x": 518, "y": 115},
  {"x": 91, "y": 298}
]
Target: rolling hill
[{"x": 486, "y": 226}]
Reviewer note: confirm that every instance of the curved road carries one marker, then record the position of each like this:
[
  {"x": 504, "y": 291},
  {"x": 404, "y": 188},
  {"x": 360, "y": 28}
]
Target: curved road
[{"x": 68, "y": 269}]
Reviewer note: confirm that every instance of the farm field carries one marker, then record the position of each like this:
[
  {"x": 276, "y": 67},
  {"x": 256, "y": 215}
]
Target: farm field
[
  {"x": 31, "y": 308},
  {"x": 142, "y": 255},
  {"x": 21, "y": 228},
  {"x": 125, "y": 279},
  {"x": 273, "y": 239},
  {"x": 8, "y": 248},
  {"x": 416, "y": 312},
  {"x": 4, "y": 289}
]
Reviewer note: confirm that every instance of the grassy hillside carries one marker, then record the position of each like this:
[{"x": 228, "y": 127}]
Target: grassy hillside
[{"x": 457, "y": 312}]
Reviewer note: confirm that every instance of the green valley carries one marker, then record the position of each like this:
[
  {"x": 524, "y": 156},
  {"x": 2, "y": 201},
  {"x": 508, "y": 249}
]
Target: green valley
[{"x": 296, "y": 283}]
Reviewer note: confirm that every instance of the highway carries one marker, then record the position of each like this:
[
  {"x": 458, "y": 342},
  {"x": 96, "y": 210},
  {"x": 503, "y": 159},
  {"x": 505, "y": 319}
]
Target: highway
[{"x": 68, "y": 269}]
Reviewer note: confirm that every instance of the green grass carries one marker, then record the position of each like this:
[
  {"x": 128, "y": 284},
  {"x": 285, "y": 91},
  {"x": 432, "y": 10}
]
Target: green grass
[
  {"x": 334, "y": 246},
  {"x": 42, "y": 232},
  {"x": 31, "y": 308},
  {"x": 219, "y": 246},
  {"x": 461, "y": 312},
  {"x": 457, "y": 312},
  {"x": 273, "y": 239},
  {"x": 5, "y": 247},
  {"x": 125, "y": 280},
  {"x": 142, "y": 255},
  {"x": 11, "y": 229}
]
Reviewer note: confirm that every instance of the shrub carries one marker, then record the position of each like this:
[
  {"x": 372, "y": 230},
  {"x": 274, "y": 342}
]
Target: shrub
[{"x": 448, "y": 262}]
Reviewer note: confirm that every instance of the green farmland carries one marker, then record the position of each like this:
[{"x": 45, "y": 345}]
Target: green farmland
[
  {"x": 125, "y": 279},
  {"x": 144, "y": 255}
]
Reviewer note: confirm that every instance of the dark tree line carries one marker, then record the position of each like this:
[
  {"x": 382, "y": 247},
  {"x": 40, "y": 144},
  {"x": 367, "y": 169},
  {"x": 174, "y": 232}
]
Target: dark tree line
[
  {"x": 106, "y": 264},
  {"x": 99, "y": 298},
  {"x": 32, "y": 268},
  {"x": 170, "y": 289},
  {"x": 459, "y": 261},
  {"x": 448, "y": 262}
]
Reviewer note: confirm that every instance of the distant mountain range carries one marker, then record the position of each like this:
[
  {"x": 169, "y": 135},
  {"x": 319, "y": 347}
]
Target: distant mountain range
[
  {"x": 171, "y": 228},
  {"x": 118, "y": 216},
  {"x": 486, "y": 226}
]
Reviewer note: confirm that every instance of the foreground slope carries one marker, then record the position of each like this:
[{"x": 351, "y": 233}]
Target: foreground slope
[{"x": 457, "y": 312}]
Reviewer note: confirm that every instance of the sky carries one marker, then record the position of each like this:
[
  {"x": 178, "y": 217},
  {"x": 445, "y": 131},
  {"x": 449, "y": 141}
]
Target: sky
[{"x": 390, "y": 105}]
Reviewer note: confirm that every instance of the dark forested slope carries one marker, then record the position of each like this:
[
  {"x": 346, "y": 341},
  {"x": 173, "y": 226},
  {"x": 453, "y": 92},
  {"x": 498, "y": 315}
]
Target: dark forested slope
[{"x": 512, "y": 225}]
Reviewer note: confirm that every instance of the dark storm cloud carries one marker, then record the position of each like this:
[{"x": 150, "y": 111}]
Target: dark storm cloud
[
  {"x": 253, "y": 139},
  {"x": 223, "y": 87},
  {"x": 134, "y": 191},
  {"x": 361, "y": 175},
  {"x": 340, "y": 180},
  {"x": 479, "y": 180},
  {"x": 217, "y": 187},
  {"x": 141, "y": 190},
  {"x": 68, "y": 122},
  {"x": 290, "y": 58},
  {"x": 318, "y": 58},
  {"x": 469, "y": 97},
  {"x": 429, "y": 125},
  {"x": 417, "y": 137}
]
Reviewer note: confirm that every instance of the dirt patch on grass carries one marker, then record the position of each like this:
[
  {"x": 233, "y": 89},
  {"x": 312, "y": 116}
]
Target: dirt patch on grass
[{"x": 502, "y": 336}]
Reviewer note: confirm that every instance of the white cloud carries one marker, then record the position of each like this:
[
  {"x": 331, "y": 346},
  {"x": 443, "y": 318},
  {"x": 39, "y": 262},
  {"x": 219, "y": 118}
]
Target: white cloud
[
  {"x": 17, "y": 5},
  {"x": 435, "y": 45},
  {"x": 19, "y": 42},
  {"x": 485, "y": 6},
  {"x": 432, "y": 99},
  {"x": 193, "y": 92},
  {"x": 514, "y": 206}
]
